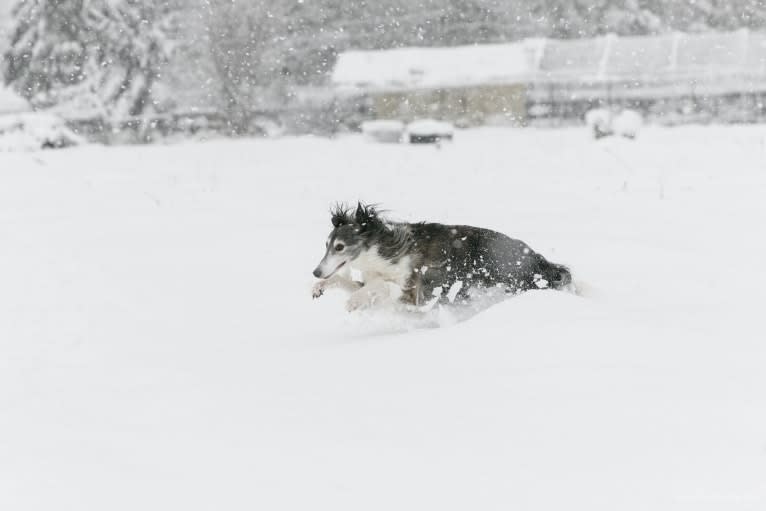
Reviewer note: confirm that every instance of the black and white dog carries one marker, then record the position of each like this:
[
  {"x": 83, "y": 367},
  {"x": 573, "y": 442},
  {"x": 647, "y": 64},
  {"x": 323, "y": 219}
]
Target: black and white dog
[{"x": 424, "y": 263}]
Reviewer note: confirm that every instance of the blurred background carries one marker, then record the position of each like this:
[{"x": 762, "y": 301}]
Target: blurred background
[{"x": 127, "y": 71}]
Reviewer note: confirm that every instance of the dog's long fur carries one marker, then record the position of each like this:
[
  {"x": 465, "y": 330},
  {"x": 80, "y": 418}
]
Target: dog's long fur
[{"x": 417, "y": 263}]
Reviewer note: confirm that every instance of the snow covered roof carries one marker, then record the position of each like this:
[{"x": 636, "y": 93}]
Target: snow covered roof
[
  {"x": 12, "y": 103},
  {"x": 583, "y": 57},
  {"x": 638, "y": 57},
  {"x": 674, "y": 57},
  {"x": 712, "y": 52},
  {"x": 422, "y": 68}
]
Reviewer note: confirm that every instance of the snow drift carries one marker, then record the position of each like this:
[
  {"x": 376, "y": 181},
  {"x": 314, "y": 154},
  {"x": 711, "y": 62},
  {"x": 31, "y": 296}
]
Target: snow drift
[{"x": 160, "y": 348}]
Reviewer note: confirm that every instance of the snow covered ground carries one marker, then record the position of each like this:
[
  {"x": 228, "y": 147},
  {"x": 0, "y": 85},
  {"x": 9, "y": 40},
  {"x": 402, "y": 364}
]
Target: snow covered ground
[{"x": 159, "y": 348}]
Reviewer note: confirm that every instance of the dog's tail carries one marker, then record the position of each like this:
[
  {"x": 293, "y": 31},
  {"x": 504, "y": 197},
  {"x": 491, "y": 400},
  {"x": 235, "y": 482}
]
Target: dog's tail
[{"x": 558, "y": 276}]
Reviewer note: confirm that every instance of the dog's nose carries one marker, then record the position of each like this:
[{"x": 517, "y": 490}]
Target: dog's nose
[{"x": 317, "y": 273}]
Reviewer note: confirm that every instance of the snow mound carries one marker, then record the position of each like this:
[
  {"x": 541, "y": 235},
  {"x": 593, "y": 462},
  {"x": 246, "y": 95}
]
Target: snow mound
[
  {"x": 12, "y": 103},
  {"x": 34, "y": 131},
  {"x": 385, "y": 131},
  {"x": 627, "y": 123}
]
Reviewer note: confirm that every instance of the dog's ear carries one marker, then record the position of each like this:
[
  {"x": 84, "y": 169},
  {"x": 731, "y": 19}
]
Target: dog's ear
[
  {"x": 338, "y": 220},
  {"x": 365, "y": 216},
  {"x": 339, "y": 215}
]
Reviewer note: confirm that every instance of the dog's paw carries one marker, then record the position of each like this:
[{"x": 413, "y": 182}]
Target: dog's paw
[{"x": 317, "y": 289}]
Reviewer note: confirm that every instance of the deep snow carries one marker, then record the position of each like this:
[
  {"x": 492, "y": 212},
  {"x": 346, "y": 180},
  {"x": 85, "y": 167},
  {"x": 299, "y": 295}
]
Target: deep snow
[{"x": 159, "y": 348}]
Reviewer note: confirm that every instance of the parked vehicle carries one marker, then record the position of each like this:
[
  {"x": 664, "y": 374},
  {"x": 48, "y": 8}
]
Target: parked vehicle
[{"x": 429, "y": 131}]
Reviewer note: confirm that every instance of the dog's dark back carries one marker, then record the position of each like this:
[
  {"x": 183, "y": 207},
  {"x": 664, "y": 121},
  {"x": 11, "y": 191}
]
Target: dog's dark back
[{"x": 479, "y": 257}]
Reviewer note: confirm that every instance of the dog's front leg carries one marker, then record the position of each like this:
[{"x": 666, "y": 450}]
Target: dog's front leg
[
  {"x": 334, "y": 282},
  {"x": 370, "y": 294}
]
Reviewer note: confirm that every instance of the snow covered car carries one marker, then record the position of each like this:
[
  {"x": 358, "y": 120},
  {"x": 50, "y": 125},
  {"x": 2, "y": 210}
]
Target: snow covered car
[
  {"x": 428, "y": 131},
  {"x": 604, "y": 122},
  {"x": 34, "y": 130},
  {"x": 384, "y": 131},
  {"x": 627, "y": 123},
  {"x": 599, "y": 121}
]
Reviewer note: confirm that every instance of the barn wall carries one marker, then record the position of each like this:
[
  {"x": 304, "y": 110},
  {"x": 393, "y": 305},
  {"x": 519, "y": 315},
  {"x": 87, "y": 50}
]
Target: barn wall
[
  {"x": 471, "y": 105},
  {"x": 499, "y": 104}
]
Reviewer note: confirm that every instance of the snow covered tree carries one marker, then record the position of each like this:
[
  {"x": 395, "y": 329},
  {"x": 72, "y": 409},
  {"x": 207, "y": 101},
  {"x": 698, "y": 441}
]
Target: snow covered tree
[
  {"x": 584, "y": 18},
  {"x": 701, "y": 16},
  {"x": 630, "y": 17},
  {"x": 107, "y": 54},
  {"x": 251, "y": 45},
  {"x": 49, "y": 48},
  {"x": 235, "y": 48},
  {"x": 134, "y": 45},
  {"x": 186, "y": 87}
]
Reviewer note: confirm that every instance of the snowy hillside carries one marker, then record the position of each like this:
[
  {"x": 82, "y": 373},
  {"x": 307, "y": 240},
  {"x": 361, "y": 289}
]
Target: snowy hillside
[{"x": 159, "y": 348}]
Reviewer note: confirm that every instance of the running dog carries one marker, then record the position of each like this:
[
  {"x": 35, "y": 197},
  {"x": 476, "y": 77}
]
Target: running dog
[{"x": 420, "y": 264}]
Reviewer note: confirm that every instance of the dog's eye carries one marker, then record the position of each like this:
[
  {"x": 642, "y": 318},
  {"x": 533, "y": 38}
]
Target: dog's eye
[{"x": 339, "y": 247}]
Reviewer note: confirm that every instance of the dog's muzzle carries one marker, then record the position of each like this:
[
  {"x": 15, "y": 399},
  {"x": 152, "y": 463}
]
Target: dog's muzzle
[{"x": 321, "y": 274}]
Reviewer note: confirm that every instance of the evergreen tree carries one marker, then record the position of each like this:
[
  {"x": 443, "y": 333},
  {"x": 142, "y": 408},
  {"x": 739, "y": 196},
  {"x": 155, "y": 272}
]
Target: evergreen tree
[
  {"x": 49, "y": 48},
  {"x": 107, "y": 54},
  {"x": 134, "y": 46}
]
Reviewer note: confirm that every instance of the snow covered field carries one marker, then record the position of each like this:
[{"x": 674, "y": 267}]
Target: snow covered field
[{"x": 159, "y": 348}]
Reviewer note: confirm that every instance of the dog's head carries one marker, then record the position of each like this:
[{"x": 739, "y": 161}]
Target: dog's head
[{"x": 348, "y": 239}]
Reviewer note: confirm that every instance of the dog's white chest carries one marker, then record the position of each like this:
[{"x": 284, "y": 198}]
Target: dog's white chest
[{"x": 373, "y": 267}]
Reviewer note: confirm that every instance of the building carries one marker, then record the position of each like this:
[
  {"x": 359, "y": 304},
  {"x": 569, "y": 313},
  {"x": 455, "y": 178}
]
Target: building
[
  {"x": 467, "y": 84},
  {"x": 670, "y": 78}
]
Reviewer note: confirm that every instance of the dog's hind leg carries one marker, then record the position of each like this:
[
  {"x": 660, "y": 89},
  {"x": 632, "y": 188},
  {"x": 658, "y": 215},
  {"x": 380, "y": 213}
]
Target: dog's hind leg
[{"x": 334, "y": 282}]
